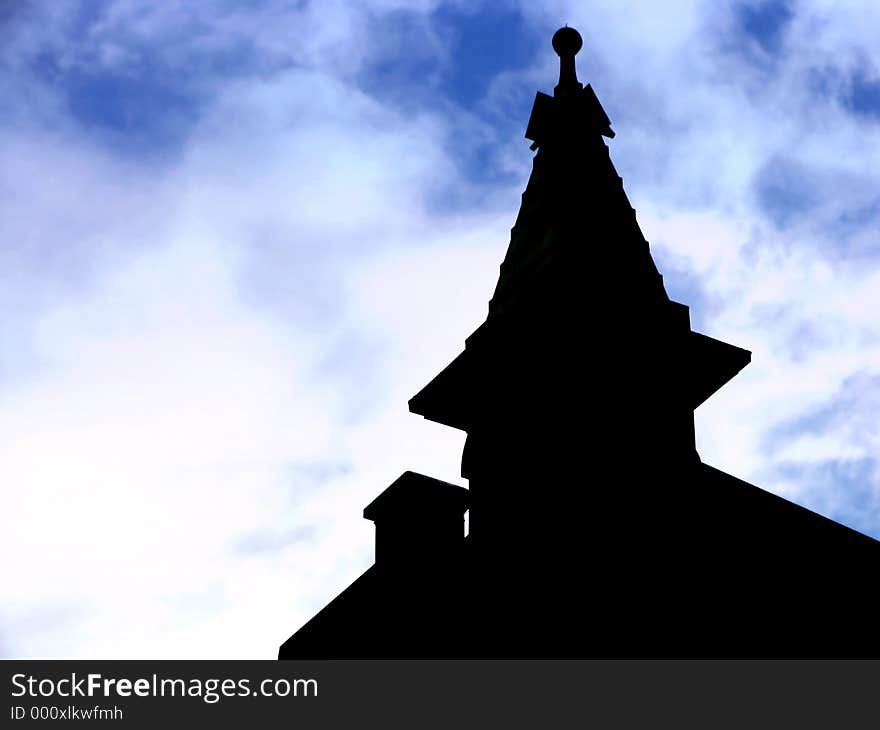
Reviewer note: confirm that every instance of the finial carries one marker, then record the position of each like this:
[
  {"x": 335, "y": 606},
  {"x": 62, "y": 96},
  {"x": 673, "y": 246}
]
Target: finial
[{"x": 567, "y": 42}]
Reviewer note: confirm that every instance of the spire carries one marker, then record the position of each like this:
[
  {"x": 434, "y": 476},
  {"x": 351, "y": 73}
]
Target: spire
[
  {"x": 567, "y": 42},
  {"x": 577, "y": 260}
]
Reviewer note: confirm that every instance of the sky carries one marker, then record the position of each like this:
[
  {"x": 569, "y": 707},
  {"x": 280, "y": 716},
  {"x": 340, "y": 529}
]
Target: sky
[{"x": 236, "y": 237}]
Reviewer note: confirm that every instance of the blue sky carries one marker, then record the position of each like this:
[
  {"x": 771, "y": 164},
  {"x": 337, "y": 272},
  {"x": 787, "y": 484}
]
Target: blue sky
[{"x": 229, "y": 233}]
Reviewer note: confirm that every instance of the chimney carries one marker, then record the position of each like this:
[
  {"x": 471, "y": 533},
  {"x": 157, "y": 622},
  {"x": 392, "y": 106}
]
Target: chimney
[{"x": 418, "y": 520}]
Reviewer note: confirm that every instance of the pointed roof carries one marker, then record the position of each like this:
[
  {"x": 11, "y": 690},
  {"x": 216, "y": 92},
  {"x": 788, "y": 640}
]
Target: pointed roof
[{"x": 575, "y": 230}]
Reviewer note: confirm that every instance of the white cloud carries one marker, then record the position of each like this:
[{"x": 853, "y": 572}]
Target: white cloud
[{"x": 193, "y": 393}]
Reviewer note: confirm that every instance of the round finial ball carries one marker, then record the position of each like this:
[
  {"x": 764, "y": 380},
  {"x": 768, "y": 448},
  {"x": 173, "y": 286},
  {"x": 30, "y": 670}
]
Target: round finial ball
[{"x": 567, "y": 41}]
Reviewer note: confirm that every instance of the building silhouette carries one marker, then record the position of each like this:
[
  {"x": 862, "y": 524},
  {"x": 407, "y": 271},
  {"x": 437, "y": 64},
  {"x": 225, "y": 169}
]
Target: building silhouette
[{"x": 595, "y": 530}]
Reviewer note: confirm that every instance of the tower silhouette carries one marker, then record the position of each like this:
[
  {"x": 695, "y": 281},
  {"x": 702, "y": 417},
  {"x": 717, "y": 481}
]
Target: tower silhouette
[{"x": 595, "y": 529}]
